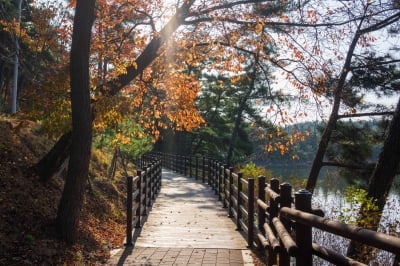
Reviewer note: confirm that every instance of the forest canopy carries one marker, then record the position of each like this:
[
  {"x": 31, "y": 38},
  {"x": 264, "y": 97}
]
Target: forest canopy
[{"x": 220, "y": 78}]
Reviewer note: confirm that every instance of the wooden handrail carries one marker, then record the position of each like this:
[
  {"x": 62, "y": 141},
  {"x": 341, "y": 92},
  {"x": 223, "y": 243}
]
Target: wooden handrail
[
  {"x": 141, "y": 191},
  {"x": 283, "y": 230},
  {"x": 334, "y": 257},
  {"x": 366, "y": 236}
]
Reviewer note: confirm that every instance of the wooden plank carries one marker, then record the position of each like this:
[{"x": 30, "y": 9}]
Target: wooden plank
[{"x": 187, "y": 213}]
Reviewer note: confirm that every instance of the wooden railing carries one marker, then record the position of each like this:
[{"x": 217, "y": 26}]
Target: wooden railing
[
  {"x": 278, "y": 220},
  {"x": 141, "y": 192},
  {"x": 236, "y": 192},
  {"x": 287, "y": 232}
]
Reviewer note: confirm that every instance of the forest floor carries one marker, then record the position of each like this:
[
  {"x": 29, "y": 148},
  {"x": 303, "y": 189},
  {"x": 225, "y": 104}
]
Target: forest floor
[{"x": 28, "y": 207}]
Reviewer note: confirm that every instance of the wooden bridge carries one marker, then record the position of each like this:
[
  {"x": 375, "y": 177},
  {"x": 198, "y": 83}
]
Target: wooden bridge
[
  {"x": 186, "y": 225},
  {"x": 205, "y": 214}
]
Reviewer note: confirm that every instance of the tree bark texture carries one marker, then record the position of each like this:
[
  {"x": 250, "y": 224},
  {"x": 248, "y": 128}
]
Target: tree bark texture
[
  {"x": 326, "y": 135},
  {"x": 318, "y": 160},
  {"x": 235, "y": 131},
  {"x": 48, "y": 166},
  {"x": 379, "y": 185},
  {"x": 72, "y": 197}
]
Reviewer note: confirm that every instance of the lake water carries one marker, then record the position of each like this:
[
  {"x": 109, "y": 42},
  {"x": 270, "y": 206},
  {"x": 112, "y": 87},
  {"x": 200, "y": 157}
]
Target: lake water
[
  {"x": 333, "y": 203},
  {"x": 330, "y": 198}
]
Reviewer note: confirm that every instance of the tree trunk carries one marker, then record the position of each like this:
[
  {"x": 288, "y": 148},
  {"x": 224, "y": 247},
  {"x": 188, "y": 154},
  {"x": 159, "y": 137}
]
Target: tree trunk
[
  {"x": 379, "y": 185},
  {"x": 48, "y": 166},
  {"x": 113, "y": 165},
  {"x": 72, "y": 197},
  {"x": 235, "y": 131},
  {"x": 51, "y": 163},
  {"x": 323, "y": 144},
  {"x": 317, "y": 163}
]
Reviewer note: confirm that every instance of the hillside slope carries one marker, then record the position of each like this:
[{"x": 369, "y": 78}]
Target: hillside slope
[{"x": 28, "y": 207}]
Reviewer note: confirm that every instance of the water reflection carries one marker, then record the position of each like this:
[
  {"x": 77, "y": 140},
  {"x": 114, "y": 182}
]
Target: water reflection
[{"x": 329, "y": 196}]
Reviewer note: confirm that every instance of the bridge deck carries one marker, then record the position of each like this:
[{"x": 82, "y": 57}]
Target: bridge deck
[{"x": 186, "y": 218}]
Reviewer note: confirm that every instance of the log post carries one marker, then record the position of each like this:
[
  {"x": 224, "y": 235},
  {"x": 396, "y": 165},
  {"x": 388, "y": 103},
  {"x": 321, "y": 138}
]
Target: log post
[
  {"x": 210, "y": 165},
  {"x": 197, "y": 167},
  {"x": 261, "y": 196},
  {"x": 159, "y": 175},
  {"x": 251, "y": 202},
  {"x": 204, "y": 170},
  {"x": 230, "y": 214},
  {"x": 181, "y": 164},
  {"x": 285, "y": 201},
  {"x": 239, "y": 202},
  {"x": 190, "y": 166},
  {"x": 274, "y": 205},
  {"x": 219, "y": 173},
  {"x": 150, "y": 180},
  {"x": 184, "y": 165},
  {"x": 139, "y": 197},
  {"x": 145, "y": 190},
  {"x": 273, "y": 212},
  {"x": 303, "y": 232},
  {"x": 224, "y": 186},
  {"x": 174, "y": 164},
  {"x": 129, "y": 211}
]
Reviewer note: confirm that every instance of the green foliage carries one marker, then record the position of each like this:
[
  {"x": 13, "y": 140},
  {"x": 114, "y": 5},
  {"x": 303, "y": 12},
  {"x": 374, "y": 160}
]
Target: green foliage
[
  {"x": 251, "y": 170},
  {"x": 296, "y": 182},
  {"x": 352, "y": 144},
  {"x": 30, "y": 237},
  {"x": 372, "y": 76},
  {"x": 56, "y": 120},
  {"x": 128, "y": 137},
  {"x": 219, "y": 106},
  {"x": 359, "y": 200}
]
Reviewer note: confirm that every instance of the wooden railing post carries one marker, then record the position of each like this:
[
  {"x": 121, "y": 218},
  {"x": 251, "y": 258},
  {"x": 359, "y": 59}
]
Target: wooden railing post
[
  {"x": 250, "y": 226},
  {"x": 155, "y": 179},
  {"x": 185, "y": 165},
  {"x": 285, "y": 201},
  {"x": 178, "y": 165},
  {"x": 220, "y": 177},
  {"x": 224, "y": 186},
  {"x": 197, "y": 167},
  {"x": 303, "y": 232},
  {"x": 210, "y": 165},
  {"x": 230, "y": 200},
  {"x": 151, "y": 176},
  {"x": 274, "y": 206},
  {"x": 261, "y": 196},
  {"x": 273, "y": 212},
  {"x": 145, "y": 190},
  {"x": 217, "y": 179},
  {"x": 159, "y": 175},
  {"x": 139, "y": 197},
  {"x": 129, "y": 211},
  {"x": 203, "y": 174},
  {"x": 190, "y": 166},
  {"x": 239, "y": 202},
  {"x": 215, "y": 176},
  {"x": 181, "y": 164}
]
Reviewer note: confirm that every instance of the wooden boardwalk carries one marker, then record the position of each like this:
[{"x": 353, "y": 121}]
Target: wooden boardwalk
[{"x": 185, "y": 218}]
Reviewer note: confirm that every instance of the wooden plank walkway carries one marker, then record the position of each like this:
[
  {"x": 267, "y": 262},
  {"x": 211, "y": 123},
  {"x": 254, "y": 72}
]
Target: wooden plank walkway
[{"x": 187, "y": 225}]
